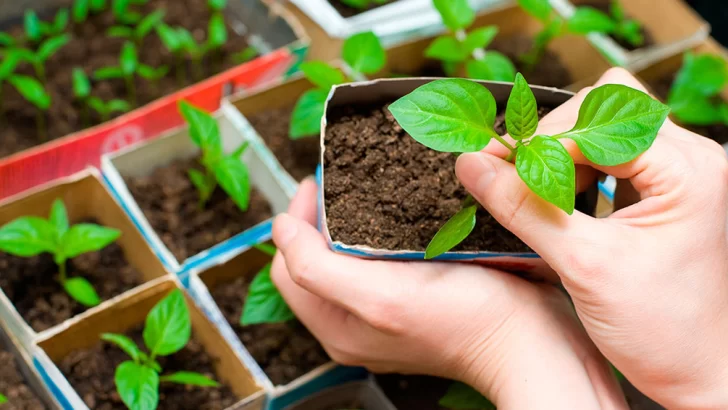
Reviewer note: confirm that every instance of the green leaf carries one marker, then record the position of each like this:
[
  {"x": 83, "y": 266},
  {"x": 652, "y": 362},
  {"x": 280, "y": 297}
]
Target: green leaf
[
  {"x": 617, "y": 11},
  {"x": 447, "y": 48},
  {"x": 216, "y": 5},
  {"x": 704, "y": 74},
  {"x": 51, "y": 46},
  {"x": 81, "y": 84},
  {"x": 204, "y": 184},
  {"x": 548, "y": 169},
  {"x": 540, "y": 9},
  {"x": 460, "y": 396},
  {"x": 98, "y": 6},
  {"x": 246, "y": 55},
  {"x": 522, "y": 110},
  {"x": 124, "y": 343},
  {"x": 137, "y": 385},
  {"x": 85, "y": 237},
  {"x": 307, "y": 114},
  {"x": 82, "y": 291},
  {"x": 118, "y": 105},
  {"x": 616, "y": 124},
  {"x": 129, "y": 60},
  {"x": 631, "y": 32},
  {"x": 232, "y": 175},
  {"x": 454, "y": 231},
  {"x": 151, "y": 73},
  {"x": 59, "y": 218},
  {"x": 61, "y": 21},
  {"x": 108, "y": 73},
  {"x": 28, "y": 236},
  {"x": 480, "y": 38},
  {"x": 6, "y": 40},
  {"x": 97, "y": 105},
  {"x": 3, "y": 399},
  {"x": 204, "y": 130},
  {"x": 322, "y": 75},
  {"x": 169, "y": 38},
  {"x": 264, "y": 304},
  {"x": 216, "y": 31},
  {"x": 9, "y": 63},
  {"x": 452, "y": 115},
  {"x": 148, "y": 23},
  {"x": 493, "y": 67},
  {"x": 456, "y": 14},
  {"x": 120, "y": 7},
  {"x": 190, "y": 379},
  {"x": 168, "y": 327},
  {"x": 240, "y": 150},
  {"x": 266, "y": 248},
  {"x": 590, "y": 20},
  {"x": 364, "y": 53},
  {"x": 32, "y": 26},
  {"x": 32, "y": 90},
  {"x": 120, "y": 32},
  {"x": 80, "y": 10},
  {"x": 357, "y": 4},
  {"x": 690, "y": 107}
]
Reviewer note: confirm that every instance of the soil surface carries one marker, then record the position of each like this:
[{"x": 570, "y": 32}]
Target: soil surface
[
  {"x": 716, "y": 132},
  {"x": 285, "y": 351},
  {"x": 170, "y": 202},
  {"x": 414, "y": 392},
  {"x": 91, "y": 49},
  {"x": 604, "y": 6},
  {"x": 91, "y": 373},
  {"x": 31, "y": 283},
  {"x": 13, "y": 386},
  {"x": 348, "y": 11},
  {"x": 299, "y": 157},
  {"x": 387, "y": 191}
]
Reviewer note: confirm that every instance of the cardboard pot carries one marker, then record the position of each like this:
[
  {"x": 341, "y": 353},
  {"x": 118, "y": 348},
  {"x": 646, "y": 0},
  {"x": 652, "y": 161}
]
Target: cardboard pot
[
  {"x": 142, "y": 159},
  {"x": 270, "y": 28},
  {"x": 366, "y": 394},
  {"x": 128, "y": 313},
  {"x": 85, "y": 198}
]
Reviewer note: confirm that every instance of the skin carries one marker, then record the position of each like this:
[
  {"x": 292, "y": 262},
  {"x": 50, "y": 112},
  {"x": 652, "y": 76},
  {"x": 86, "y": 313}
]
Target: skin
[{"x": 649, "y": 286}]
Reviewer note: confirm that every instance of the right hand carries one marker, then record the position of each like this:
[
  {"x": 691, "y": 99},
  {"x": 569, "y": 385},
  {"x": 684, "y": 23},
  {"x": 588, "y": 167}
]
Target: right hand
[{"x": 649, "y": 283}]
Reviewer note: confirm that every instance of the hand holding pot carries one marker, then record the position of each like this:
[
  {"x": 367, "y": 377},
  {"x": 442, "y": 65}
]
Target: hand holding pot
[
  {"x": 650, "y": 283},
  {"x": 519, "y": 343}
]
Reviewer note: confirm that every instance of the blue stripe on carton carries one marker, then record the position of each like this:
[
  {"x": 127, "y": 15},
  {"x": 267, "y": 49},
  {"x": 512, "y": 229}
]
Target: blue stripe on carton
[
  {"x": 52, "y": 386},
  {"x": 338, "y": 375}
]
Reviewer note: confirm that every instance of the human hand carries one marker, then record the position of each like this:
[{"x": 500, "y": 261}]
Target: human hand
[
  {"x": 517, "y": 342},
  {"x": 649, "y": 283}
]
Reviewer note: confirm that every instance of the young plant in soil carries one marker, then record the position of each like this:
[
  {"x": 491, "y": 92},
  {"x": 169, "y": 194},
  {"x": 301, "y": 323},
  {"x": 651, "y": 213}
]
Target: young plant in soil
[
  {"x": 3, "y": 399},
  {"x": 264, "y": 304},
  {"x": 228, "y": 171},
  {"x": 81, "y": 9},
  {"x": 468, "y": 50},
  {"x": 460, "y": 396},
  {"x": 82, "y": 92},
  {"x": 36, "y": 29},
  {"x": 140, "y": 31},
  {"x": 180, "y": 42},
  {"x": 45, "y": 51},
  {"x": 615, "y": 125},
  {"x": 695, "y": 94},
  {"x": 30, "y": 236},
  {"x": 32, "y": 90},
  {"x": 167, "y": 330},
  {"x": 129, "y": 67},
  {"x": 363, "y": 52},
  {"x": 363, "y": 4},
  {"x": 123, "y": 12}
]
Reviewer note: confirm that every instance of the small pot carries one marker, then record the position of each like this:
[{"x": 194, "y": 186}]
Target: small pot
[{"x": 366, "y": 394}]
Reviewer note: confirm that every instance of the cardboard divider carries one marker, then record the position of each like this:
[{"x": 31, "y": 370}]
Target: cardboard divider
[
  {"x": 673, "y": 25},
  {"x": 143, "y": 158},
  {"x": 85, "y": 197},
  {"x": 127, "y": 313}
]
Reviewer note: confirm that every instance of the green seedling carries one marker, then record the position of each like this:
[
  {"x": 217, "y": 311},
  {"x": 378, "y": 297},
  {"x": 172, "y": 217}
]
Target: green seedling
[
  {"x": 363, "y": 52},
  {"x": 129, "y": 67},
  {"x": 468, "y": 49},
  {"x": 625, "y": 29},
  {"x": 138, "y": 33},
  {"x": 246, "y": 55},
  {"x": 106, "y": 109},
  {"x": 216, "y": 6},
  {"x": 167, "y": 330},
  {"x": 30, "y": 88},
  {"x": 3, "y": 399},
  {"x": 180, "y": 42},
  {"x": 363, "y": 4},
  {"x": 615, "y": 125},
  {"x": 264, "y": 304},
  {"x": 82, "y": 94},
  {"x": 123, "y": 12},
  {"x": 228, "y": 171},
  {"x": 30, "y": 236},
  {"x": 172, "y": 42},
  {"x": 460, "y": 396},
  {"x": 46, "y": 50},
  {"x": 81, "y": 9},
  {"x": 36, "y": 29},
  {"x": 695, "y": 94}
]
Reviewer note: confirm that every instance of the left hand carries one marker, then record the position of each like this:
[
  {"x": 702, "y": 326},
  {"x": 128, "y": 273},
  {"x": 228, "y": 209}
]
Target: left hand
[{"x": 517, "y": 342}]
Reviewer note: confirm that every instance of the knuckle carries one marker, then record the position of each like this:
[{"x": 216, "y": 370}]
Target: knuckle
[
  {"x": 302, "y": 270},
  {"x": 387, "y": 313}
]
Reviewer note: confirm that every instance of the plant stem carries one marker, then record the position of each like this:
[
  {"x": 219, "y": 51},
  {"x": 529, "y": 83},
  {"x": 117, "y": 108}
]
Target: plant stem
[
  {"x": 197, "y": 68},
  {"x": 84, "y": 114},
  {"x": 131, "y": 90},
  {"x": 62, "y": 272},
  {"x": 40, "y": 72},
  {"x": 179, "y": 70},
  {"x": 507, "y": 145},
  {"x": 40, "y": 122}
]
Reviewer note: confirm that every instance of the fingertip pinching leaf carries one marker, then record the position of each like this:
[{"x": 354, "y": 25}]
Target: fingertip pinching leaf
[
  {"x": 521, "y": 111},
  {"x": 264, "y": 303},
  {"x": 453, "y": 232},
  {"x": 168, "y": 327},
  {"x": 548, "y": 170}
]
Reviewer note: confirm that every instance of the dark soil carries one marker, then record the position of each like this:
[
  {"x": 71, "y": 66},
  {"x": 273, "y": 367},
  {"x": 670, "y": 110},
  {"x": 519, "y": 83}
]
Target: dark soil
[
  {"x": 386, "y": 191},
  {"x": 299, "y": 157},
  {"x": 716, "y": 132},
  {"x": 170, "y": 203},
  {"x": 285, "y": 351},
  {"x": 31, "y": 283},
  {"x": 91, "y": 373},
  {"x": 91, "y": 49},
  {"x": 348, "y": 11},
  {"x": 13, "y": 386},
  {"x": 414, "y": 392},
  {"x": 604, "y": 6}
]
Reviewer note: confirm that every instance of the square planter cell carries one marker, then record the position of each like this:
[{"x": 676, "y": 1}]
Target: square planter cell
[
  {"x": 670, "y": 26},
  {"x": 363, "y": 395},
  {"x": 150, "y": 180},
  {"x": 403, "y": 190},
  {"x": 74, "y": 356},
  {"x": 32, "y": 301}
]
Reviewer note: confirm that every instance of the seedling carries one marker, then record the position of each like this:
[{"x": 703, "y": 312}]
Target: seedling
[
  {"x": 362, "y": 52},
  {"x": 460, "y": 396},
  {"x": 264, "y": 304},
  {"x": 138, "y": 33},
  {"x": 615, "y": 125},
  {"x": 123, "y": 12},
  {"x": 246, "y": 55},
  {"x": 180, "y": 42},
  {"x": 36, "y": 30},
  {"x": 129, "y": 67},
  {"x": 82, "y": 93},
  {"x": 226, "y": 170},
  {"x": 47, "y": 49},
  {"x": 468, "y": 49},
  {"x": 32, "y": 90},
  {"x": 695, "y": 94},
  {"x": 3, "y": 399},
  {"x": 106, "y": 109},
  {"x": 625, "y": 29},
  {"x": 216, "y": 6},
  {"x": 167, "y": 330},
  {"x": 81, "y": 9},
  {"x": 30, "y": 236},
  {"x": 363, "y": 4}
]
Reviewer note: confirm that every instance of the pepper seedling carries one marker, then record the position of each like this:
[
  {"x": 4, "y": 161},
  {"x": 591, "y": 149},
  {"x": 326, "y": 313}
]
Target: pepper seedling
[
  {"x": 106, "y": 109},
  {"x": 46, "y": 50},
  {"x": 228, "y": 171},
  {"x": 81, "y": 9},
  {"x": 264, "y": 303},
  {"x": 468, "y": 49},
  {"x": 246, "y": 55},
  {"x": 30, "y": 236},
  {"x": 695, "y": 94},
  {"x": 363, "y": 4},
  {"x": 36, "y": 29},
  {"x": 216, "y": 6},
  {"x": 167, "y": 330},
  {"x": 142, "y": 29},
  {"x": 129, "y": 67},
  {"x": 615, "y": 125},
  {"x": 123, "y": 12},
  {"x": 363, "y": 52},
  {"x": 180, "y": 41},
  {"x": 82, "y": 93},
  {"x": 30, "y": 88},
  {"x": 460, "y": 396}
]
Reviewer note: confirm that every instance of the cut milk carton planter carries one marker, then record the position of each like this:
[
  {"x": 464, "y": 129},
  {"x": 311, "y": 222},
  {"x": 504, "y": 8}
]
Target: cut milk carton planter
[
  {"x": 365, "y": 395},
  {"x": 142, "y": 159}
]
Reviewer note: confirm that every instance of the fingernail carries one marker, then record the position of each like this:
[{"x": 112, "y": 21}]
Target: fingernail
[
  {"x": 285, "y": 229},
  {"x": 476, "y": 171}
]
